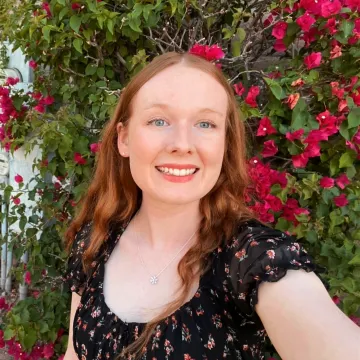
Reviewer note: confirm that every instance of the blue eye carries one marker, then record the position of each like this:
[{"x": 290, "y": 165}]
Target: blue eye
[
  {"x": 206, "y": 125},
  {"x": 158, "y": 122}
]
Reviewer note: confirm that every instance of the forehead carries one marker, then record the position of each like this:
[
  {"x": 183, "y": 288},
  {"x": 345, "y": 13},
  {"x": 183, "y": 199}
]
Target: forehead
[{"x": 184, "y": 87}]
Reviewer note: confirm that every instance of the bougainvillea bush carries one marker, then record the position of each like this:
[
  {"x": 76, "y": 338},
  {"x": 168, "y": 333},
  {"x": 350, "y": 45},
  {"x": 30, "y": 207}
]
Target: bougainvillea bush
[{"x": 294, "y": 69}]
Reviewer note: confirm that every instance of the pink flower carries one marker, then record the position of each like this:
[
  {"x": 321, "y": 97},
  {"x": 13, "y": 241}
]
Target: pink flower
[
  {"x": 331, "y": 25},
  {"x": 327, "y": 182},
  {"x": 311, "y": 6},
  {"x": 299, "y": 161},
  {"x": 342, "y": 180},
  {"x": 270, "y": 149},
  {"x": 298, "y": 82},
  {"x": 279, "y": 30},
  {"x": 48, "y": 100},
  {"x": 265, "y": 127},
  {"x": 28, "y": 278},
  {"x": 36, "y": 95},
  {"x": 79, "y": 159},
  {"x": 292, "y": 100},
  {"x": 46, "y": 6},
  {"x": 330, "y": 8},
  {"x": 268, "y": 20},
  {"x": 10, "y": 81},
  {"x": 33, "y": 64},
  {"x": 336, "y": 300},
  {"x": 335, "y": 52},
  {"x": 279, "y": 45},
  {"x": 16, "y": 201},
  {"x": 305, "y": 21},
  {"x": 312, "y": 150},
  {"x": 239, "y": 88},
  {"x": 356, "y": 137},
  {"x": 75, "y": 6},
  {"x": 328, "y": 123},
  {"x": 343, "y": 106},
  {"x": 313, "y": 60},
  {"x": 210, "y": 53},
  {"x": 341, "y": 200},
  {"x": 19, "y": 179},
  {"x": 251, "y": 96},
  {"x": 315, "y": 136},
  {"x": 40, "y": 108},
  {"x": 95, "y": 147},
  {"x": 48, "y": 351},
  {"x": 296, "y": 135},
  {"x": 335, "y": 90}
]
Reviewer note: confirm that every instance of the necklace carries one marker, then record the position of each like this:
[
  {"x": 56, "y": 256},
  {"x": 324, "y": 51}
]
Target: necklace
[{"x": 154, "y": 279}]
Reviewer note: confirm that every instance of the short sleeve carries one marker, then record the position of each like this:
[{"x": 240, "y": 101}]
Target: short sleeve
[
  {"x": 75, "y": 276},
  {"x": 262, "y": 254}
]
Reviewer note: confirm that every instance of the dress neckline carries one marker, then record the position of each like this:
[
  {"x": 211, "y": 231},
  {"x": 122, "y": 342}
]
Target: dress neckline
[{"x": 114, "y": 239}]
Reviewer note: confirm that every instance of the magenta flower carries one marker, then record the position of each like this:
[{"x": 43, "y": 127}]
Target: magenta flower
[
  {"x": 33, "y": 64},
  {"x": 251, "y": 96},
  {"x": 313, "y": 60},
  {"x": 270, "y": 149},
  {"x": 279, "y": 30},
  {"x": 330, "y": 8},
  {"x": 95, "y": 147},
  {"x": 342, "y": 181},
  {"x": 79, "y": 159},
  {"x": 341, "y": 200},
  {"x": 265, "y": 127},
  {"x": 28, "y": 278},
  {"x": 327, "y": 182},
  {"x": 305, "y": 21},
  {"x": 279, "y": 45},
  {"x": 209, "y": 53},
  {"x": 300, "y": 161},
  {"x": 10, "y": 81},
  {"x": 296, "y": 135},
  {"x": 239, "y": 88},
  {"x": 19, "y": 179}
]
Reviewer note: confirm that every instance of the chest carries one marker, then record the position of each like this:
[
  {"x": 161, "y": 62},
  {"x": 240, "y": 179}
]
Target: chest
[{"x": 128, "y": 291}]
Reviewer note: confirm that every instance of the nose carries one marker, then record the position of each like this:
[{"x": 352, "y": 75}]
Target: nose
[{"x": 181, "y": 140}]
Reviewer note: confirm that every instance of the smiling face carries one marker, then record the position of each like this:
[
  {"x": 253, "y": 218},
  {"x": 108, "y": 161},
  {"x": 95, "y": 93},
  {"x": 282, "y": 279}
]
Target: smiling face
[{"x": 175, "y": 137}]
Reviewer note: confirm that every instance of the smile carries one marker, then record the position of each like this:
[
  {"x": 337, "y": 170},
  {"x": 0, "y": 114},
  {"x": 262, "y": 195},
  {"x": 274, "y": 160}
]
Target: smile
[{"x": 177, "y": 172}]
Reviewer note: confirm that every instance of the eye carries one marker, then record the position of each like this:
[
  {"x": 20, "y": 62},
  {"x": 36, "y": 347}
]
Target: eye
[
  {"x": 206, "y": 125},
  {"x": 157, "y": 122}
]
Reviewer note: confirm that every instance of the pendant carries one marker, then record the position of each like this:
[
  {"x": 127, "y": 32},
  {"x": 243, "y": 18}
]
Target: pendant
[{"x": 154, "y": 280}]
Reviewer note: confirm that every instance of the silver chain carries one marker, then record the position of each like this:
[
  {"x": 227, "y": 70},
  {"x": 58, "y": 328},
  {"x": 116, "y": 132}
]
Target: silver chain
[{"x": 154, "y": 279}]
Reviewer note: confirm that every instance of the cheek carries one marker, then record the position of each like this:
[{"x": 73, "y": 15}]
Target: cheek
[{"x": 213, "y": 155}]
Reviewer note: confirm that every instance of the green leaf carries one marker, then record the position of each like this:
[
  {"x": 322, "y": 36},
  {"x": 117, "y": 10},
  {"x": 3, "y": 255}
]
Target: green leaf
[
  {"x": 134, "y": 24},
  {"x": 8, "y": 333},
  {"x": 300, "y": 115},
  {"x": 63, "y": 12},
  {"x": 100, "y": 72},
  {"x": 110, "y": 26},
  {"x": 354, "y": 118},
  {"x": 347, "y": 159},
  {"x": 75, "y": 22},
  {"x": 237, "y": 41},
  {"x": 174, "y": 4},
  {"x": 336, "y": 218},
  {"x": 78, "y": 43},
  {"x": 355, "y": 260},
  {"x": 228, "y": 33},
  {"x": 355, "y": 52},
  {"x": 344, "y": 130},
  {"x": 275, "y": 88},
  {"x": 61, "y": 2},
  {"x": 90, "y": 69},
  {"x": 146, "y": 11},
  {"x": 346, "y": 27},
  {"x": 46, "y": 32},
  {"x": 30, "y": 338}
]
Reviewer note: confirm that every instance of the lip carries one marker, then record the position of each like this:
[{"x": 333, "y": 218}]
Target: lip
[{"x": 178, "y": 166}]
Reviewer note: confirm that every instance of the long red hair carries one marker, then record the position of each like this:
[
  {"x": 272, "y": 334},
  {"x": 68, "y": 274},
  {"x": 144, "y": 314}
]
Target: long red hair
[{"x": 113, "y": 197}]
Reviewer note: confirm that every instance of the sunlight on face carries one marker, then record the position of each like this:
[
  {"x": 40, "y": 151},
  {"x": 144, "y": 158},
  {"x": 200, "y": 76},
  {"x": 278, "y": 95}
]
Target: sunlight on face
[{"x": 176, "y": 135}]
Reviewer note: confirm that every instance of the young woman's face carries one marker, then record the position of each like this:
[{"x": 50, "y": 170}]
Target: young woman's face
[{"x": 175, "y": 138}]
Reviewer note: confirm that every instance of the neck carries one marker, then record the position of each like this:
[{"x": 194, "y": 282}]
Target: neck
[{"x": 165, "y": 227}]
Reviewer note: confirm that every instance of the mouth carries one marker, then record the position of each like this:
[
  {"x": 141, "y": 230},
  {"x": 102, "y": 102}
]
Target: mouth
[{"x": 177, "y": 172}]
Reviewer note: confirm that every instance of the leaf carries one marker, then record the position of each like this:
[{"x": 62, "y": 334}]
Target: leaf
[
  {"x": 344, "y": 130},
  {"x": 355, "y": 260},
  {"x": 75, "y": 22},
  {"x": 78, "y": 43},
  {"x": 354, "y": 118},
  {"x": 346, "y": 27},
  {"x": 355, "y": 52},
  {"x": 237, "y": 41},
  {"x": 90, "y": 69},
  {"x": 299, "y": 116},
  {"x": 100, "y": 72},
  {"x": 174, "y": 4},
  {"x": 110, "y": 26},
  {"x": 146, "y": 11},
  {"x": 61, "y": 2},
  {"x": 8, "y": 333},
  {"x": 30, "y": 338},
  {"x": 275, "y": 88},
  {"x": 63, "y": 12},
  {"x": 134, "y": 24},
  {"x": 347, "y": 159},
  {"x": 46, "y": 32}
]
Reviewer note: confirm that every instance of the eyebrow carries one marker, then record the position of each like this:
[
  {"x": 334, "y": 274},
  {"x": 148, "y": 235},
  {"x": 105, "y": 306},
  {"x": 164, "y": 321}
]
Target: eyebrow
[{"x": 166, "y": 107}]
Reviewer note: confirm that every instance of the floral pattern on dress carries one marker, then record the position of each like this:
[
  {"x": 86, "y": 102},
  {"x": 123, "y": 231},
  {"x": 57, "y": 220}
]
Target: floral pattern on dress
[{"x": 218, "y": 322}]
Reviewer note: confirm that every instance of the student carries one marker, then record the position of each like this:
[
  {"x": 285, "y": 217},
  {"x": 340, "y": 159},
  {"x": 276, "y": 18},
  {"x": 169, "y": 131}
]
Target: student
[{"x": 166, "y": 260}]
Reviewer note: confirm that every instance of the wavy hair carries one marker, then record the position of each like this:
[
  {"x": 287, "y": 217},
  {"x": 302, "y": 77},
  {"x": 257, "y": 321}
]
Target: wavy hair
[{"x": 113, "y": 197}]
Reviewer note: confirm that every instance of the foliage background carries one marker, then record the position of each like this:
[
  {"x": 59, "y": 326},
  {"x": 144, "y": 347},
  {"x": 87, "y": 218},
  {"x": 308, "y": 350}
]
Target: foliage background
[{"x": 303, "y": 116}]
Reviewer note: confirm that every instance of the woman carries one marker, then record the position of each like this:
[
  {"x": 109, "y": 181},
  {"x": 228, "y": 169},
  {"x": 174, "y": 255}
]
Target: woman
[{"x": 166, "y": 261}]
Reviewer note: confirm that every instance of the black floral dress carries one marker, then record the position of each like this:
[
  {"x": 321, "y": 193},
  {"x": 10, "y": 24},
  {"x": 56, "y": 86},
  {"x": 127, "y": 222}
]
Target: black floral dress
[{"x": 218, "y": 322}]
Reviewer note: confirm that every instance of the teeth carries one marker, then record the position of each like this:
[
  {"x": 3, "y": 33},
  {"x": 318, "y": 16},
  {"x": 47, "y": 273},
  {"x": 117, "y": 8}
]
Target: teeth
[{"x": 176, "y": 172}]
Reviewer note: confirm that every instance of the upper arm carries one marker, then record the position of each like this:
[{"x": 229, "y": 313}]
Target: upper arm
[
  {"x": 70, "y": 352},
  {"x": 303, "y": 322}
]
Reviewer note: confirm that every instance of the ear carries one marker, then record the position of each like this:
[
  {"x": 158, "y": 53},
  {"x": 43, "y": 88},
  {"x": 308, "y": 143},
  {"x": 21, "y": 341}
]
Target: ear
[{"x": 122, "y": 142}]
